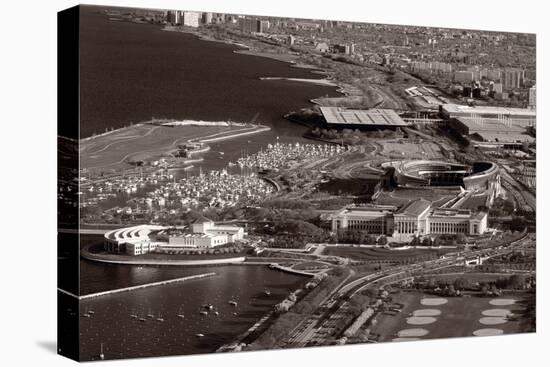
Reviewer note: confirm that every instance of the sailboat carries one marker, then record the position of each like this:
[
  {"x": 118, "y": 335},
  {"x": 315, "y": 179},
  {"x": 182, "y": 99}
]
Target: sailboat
[
  {"x": 101, "y": 355},
  {"x": 180, "y": 314},
  {"x": 159, "y": 318}
]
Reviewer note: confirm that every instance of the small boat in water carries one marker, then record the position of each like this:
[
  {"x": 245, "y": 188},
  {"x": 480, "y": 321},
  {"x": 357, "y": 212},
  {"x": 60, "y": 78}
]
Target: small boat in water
[
  {"x": 199, "y": 335},
  {"x": 204, "y": 313},
  {"x": 216, "y": 313},
  {"x": 134, "y": 316},
  {"x": 142, "y": 319},
  {"x": 267, "y": 292},
  {"x": 86, "y": 315},
  {"x": 180, "y": 313},
  {"x": 233, "y": 303},
  {"x": 91, "y": 312},
  {"x": 208, "y": 306},
  {"x": 160, "y": 318}
]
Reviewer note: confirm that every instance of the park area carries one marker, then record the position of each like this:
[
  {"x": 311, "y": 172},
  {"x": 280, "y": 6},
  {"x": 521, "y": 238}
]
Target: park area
[
  {"x": 425, "y": 316},
  {"x": 382, "y": 254},
  {"x": 145, "y": 142},
  {"x": 401, "y": 196},
  {"x": 407, "y": 149}
]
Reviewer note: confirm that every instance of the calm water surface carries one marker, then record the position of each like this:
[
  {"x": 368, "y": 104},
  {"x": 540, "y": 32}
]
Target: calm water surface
[{"x": 132, "y": 73}]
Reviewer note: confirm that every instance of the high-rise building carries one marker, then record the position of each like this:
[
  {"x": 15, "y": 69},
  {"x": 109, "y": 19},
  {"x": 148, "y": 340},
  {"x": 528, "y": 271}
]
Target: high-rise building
[
  {"x": 290, "y": 40},
  {"x": 463, "y": 76},
  {"x": 247, "y": 25},
  {"x": 190, "y": 18},
  {"x": 207, "y": 18},
  {"x": 262, "y": 26},
  {"x": 173, "y": 17},
  {"x": 492, "y": 74},
  {"x": 512, "y": 78},
  {"x": 497, "y": 87},
  {"x": 533, "y": 97}
]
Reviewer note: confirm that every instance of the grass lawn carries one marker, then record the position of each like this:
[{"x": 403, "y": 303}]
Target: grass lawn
[
  {"x": 309, "y": 265},
  {"x": 373, "y": 254},
  {"x": 459, "y": 316},
  {"x": 472, "y": 277},
  {"x": 112, "y": 151}
]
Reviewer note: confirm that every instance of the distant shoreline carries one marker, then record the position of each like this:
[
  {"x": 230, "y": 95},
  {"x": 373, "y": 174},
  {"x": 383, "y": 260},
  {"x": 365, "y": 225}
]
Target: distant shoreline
[{"x": 286, "y": 58}]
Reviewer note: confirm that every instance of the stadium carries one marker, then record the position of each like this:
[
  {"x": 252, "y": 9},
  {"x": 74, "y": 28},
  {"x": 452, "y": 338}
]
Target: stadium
[{"x": 425, "y": 173}]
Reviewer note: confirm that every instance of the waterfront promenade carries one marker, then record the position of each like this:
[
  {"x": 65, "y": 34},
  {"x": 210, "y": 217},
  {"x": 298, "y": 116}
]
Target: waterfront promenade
[{"x": 137, "y": 260}]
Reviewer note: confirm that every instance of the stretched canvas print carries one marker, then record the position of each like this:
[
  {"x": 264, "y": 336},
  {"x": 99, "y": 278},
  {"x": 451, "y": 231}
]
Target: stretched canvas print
[{"x": 233, "y": 183}]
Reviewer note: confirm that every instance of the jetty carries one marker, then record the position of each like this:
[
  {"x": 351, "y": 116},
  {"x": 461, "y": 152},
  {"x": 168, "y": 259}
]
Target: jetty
[{"x": 142, "y": 286}]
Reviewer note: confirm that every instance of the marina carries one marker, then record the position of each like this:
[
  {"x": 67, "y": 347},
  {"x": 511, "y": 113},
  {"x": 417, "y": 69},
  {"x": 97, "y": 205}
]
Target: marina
[{"x": 237, "y": 294}]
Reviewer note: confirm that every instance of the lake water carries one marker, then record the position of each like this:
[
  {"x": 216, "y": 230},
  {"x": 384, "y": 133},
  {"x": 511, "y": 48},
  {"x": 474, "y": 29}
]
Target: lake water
[
  {"x": 125, "y": 337},
  {"x": 134, "y": 72}
]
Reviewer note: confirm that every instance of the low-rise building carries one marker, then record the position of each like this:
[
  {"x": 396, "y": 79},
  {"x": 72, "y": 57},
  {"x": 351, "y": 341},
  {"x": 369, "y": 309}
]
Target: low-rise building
[
  {"x": 417, "y": 218},
  {"x": 142, "y": 239},
  {"x": 373, "y": 219}
]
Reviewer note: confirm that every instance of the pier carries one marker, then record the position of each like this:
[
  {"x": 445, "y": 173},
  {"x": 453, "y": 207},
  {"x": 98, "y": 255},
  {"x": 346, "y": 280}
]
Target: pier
[
  {"x": 290, "y": 270},
  {"x": 142, "y": 286}
]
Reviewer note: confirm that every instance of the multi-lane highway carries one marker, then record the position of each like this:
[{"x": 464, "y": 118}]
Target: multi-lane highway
[{"x": 324, "y": 325}]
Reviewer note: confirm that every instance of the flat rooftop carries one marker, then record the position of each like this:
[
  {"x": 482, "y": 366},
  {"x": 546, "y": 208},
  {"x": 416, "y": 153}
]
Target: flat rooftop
[
  {"x": 498, "y": 130},
  {"x": 505, "y": 137},
  {"x": 455, "y": 110},
  {"x": 494, "y": 124},
  {"x": 373, "y": 117},
  {"x": 415, "y": 207}
]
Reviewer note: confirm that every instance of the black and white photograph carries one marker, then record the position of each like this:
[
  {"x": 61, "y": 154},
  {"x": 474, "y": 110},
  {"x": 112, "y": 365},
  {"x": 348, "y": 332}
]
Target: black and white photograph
[
  {"x": 230, "y": 182},
  {"x": 247, "y": 183}
]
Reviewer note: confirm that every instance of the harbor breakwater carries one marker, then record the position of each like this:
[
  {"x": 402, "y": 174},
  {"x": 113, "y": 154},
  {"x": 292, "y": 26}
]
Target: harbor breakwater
[{"x": 141, "y": 286}]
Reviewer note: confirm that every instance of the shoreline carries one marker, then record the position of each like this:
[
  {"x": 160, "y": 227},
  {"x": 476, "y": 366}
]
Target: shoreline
[
  {"x": 111, "y": 259},
  {"x": 168, "y": 148},
  {"x": 248, "y": 50},
  {"x": 88, "y": 138},
  {"x": 257, "y": 130},
  {"x": 322, "y": 82}
]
